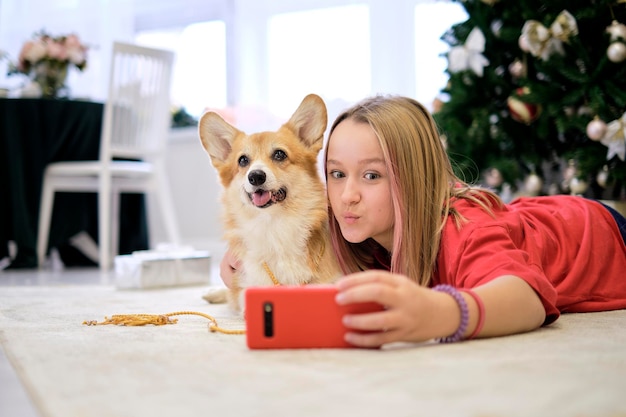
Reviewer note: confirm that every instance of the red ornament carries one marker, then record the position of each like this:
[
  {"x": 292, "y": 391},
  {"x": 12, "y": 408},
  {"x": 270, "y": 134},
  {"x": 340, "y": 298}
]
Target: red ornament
[{"x": 521, "y": 111}]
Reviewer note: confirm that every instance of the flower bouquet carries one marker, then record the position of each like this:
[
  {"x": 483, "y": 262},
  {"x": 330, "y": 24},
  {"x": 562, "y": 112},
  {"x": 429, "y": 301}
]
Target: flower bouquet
[{"x": 45, "y": 59}]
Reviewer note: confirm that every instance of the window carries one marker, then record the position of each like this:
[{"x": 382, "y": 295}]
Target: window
[
  {"x": 432, "y": 20},
  {"x": 322, "y": 51},
  {"x": 199, "y": 75}
]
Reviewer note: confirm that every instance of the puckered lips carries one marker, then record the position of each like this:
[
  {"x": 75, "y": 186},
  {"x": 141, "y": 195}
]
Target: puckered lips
[{"x": 262, "y": 198}]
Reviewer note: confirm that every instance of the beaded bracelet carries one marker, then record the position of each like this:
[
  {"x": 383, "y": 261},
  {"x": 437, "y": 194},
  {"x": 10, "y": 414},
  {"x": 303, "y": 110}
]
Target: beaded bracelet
[
  {"x": 481, "y": 313},
  {"x": 458, "y": 334}
]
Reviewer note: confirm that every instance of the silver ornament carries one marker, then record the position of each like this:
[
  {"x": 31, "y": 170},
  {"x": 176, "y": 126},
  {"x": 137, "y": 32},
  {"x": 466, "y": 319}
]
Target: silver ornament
[
  {"x": 517, "y": 69},
  {"x": 616, "y": 52},
  {"x": 533, "y": 184},
  {"x": 577, "y": 186},
  {"x": 603, "y": 177},
  {"x": 523, "y": 43},
  {"x": 596, "y": 129}
]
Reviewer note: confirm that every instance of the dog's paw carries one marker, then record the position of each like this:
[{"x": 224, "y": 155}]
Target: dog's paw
[{"x": 216, "y": 295}]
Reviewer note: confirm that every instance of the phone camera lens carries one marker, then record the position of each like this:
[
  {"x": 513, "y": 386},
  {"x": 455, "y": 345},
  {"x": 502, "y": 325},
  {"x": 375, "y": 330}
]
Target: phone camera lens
[{"x": 268, "y": 319}]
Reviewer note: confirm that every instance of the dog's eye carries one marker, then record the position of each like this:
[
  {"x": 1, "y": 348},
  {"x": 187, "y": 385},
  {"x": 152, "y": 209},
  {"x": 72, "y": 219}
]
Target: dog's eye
[
  {"x": 279, "y": 155},
  {"x": 243, "y": 161}
]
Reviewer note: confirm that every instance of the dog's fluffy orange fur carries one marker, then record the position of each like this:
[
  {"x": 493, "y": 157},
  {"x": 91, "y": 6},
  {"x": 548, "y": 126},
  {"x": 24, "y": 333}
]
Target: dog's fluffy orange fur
[{"x": 274, "y": 202}]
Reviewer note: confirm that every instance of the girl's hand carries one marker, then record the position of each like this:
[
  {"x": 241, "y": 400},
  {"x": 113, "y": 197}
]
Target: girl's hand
[
  {"x": 416, "y": 314},
  {"x": 228, "y": 267},
  {"x": 412, "y": 313}
]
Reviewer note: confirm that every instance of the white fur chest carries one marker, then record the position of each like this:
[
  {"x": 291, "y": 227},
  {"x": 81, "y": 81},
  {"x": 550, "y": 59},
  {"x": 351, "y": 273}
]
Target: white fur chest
[{"x": 280, "y": 242}]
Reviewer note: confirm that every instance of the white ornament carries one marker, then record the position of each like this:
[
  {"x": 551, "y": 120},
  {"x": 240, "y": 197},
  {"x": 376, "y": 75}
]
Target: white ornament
[
  {"x": 533, "y": 184},
  {"x": 616, "y": 52},
  {"x": 569, "y": 173},
  {"x": 543, "y": 42},
  {"x": 617, "y": 30},
  {"x": 469, "y": 56},
  {"x": 596, "y": 129},
  {"x": 584, "y": 111},
  {"x": 578, "y": 186},
  {"x": 523, "y": 43},
  {"x": 496, "y": 27},
  {"x": 517, "y": 69},
  {"x": 615, "y": 138},
  {"x": 603, "y": 177}
]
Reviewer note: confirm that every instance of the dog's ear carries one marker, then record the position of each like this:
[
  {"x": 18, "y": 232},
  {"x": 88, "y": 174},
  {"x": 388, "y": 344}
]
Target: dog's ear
[
  {"x": 309, "y": 120},
  {"x": 216, "y": 135}
]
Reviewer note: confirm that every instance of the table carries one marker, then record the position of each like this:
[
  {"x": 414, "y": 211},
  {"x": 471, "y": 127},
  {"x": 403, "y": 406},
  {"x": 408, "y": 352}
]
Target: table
[{"x": 33, "y": 133}]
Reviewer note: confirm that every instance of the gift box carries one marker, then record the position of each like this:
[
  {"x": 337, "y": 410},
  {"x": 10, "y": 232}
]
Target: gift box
[{"x": 164, "y": 267}]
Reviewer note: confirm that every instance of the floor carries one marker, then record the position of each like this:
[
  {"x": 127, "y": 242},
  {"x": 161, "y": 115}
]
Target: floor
[{"x": 14, "y": 400}]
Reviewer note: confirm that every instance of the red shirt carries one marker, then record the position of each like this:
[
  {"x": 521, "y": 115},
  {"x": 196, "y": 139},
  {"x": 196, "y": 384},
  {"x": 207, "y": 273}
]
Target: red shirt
[{"x": 568, "y": 249}]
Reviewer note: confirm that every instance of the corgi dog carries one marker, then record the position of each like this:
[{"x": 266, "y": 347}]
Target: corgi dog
[{"x": 274, "y": 204}]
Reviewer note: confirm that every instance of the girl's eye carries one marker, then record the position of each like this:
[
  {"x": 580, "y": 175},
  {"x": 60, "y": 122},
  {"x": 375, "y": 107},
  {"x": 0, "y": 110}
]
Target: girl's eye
[
  {"x": 243, "y": 161},
  {"x": 279, "y": 155},
  {"x": 336, "y": 174},
  {"x": 372, "y": 176}
]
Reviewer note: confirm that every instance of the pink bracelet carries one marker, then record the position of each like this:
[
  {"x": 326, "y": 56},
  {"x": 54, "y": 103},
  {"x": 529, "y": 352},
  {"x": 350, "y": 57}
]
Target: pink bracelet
[
  {"x": 460, "y": 331},
  {"x": 481, "y": 313}
]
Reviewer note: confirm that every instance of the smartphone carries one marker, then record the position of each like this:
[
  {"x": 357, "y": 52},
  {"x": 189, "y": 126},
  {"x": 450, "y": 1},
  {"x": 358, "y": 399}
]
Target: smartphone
[{"x": 292, "y": 317}]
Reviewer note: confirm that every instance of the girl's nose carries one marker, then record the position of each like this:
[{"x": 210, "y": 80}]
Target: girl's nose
[{"x": 350, "y": 194}]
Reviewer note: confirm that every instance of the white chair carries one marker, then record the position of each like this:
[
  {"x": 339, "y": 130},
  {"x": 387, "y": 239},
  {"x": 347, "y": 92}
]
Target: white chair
[{"x": 135, "y": 128}]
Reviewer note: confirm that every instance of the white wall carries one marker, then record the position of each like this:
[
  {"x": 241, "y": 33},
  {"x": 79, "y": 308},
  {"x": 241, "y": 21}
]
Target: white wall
[{"x": 195, "y": 189}]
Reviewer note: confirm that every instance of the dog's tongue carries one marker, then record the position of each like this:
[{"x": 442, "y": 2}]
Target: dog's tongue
[{"x": 261, "y": 197}]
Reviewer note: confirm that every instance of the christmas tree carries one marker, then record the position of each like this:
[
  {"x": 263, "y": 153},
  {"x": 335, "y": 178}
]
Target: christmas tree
[{"x": 536, "y": 98}]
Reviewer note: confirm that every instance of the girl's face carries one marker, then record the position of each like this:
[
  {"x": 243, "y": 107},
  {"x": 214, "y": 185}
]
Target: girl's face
[{"x": 358, "y": 184}]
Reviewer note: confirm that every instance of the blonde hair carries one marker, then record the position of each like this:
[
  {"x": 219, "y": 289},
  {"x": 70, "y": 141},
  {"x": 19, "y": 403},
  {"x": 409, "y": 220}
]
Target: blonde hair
[{"x": 423, "y": 187}]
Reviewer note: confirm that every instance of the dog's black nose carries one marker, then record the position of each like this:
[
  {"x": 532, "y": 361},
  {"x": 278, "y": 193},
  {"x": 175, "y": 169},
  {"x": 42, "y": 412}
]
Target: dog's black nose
[{"x": 256, "y": 177}]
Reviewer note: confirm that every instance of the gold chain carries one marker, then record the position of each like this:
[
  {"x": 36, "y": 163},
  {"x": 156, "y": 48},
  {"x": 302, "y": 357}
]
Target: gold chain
[{"x": 158, "y": 320}]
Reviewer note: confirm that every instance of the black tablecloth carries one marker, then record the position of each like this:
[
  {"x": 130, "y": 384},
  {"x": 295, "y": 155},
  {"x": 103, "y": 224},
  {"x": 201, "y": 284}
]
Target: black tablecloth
[{"x": 33, "y": 133}]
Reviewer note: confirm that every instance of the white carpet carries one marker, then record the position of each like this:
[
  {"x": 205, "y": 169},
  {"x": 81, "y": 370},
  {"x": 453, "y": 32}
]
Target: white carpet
[{"x": 576, "y": 367}]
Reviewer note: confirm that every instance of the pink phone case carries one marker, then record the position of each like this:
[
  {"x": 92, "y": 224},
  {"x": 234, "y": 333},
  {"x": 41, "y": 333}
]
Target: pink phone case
[{"x": 297, "y": 317}]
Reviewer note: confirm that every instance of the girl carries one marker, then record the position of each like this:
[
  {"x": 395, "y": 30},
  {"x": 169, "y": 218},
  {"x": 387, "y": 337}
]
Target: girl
[{"x": 449, "y": 261}]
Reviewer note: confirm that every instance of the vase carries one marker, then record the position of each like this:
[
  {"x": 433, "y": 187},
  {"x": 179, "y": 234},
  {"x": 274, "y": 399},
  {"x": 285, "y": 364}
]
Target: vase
[{"x": 51, "y": 77}]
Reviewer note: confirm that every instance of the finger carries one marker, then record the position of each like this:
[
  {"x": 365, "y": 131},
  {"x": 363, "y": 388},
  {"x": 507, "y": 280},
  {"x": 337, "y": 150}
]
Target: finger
[
  {"x": 370, "y": 340},
  {"x": 232, "y": 261},
  {"x": 365, "y": 277},
  {"x": 379, "y": 321},
  {"x": 375, "y": 292}
]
